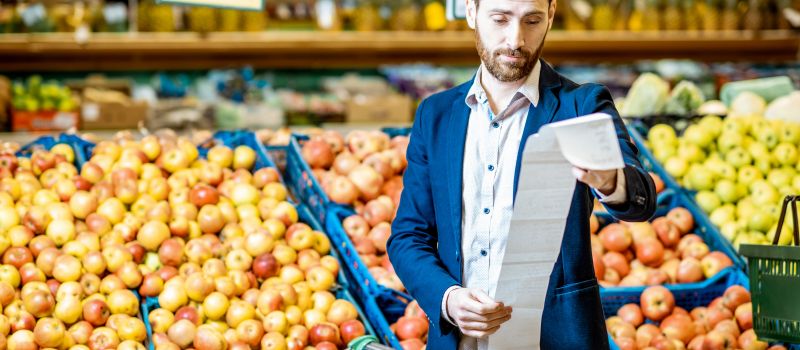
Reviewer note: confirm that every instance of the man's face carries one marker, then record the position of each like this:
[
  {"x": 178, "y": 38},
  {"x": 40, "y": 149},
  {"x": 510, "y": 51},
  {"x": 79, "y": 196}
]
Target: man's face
[{"x": 509, "y": 34}]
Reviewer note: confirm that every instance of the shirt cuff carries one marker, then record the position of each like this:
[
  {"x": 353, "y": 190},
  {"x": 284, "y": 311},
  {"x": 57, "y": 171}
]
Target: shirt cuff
[
  {"x": 445, "y": 315},
  {"x": 619, "y": 196}
]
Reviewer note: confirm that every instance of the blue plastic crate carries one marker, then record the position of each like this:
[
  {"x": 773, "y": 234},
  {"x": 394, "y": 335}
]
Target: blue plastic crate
[
  {"x": 392, "y": 132},
  {"x": 301, "y": 181},
  {"x": 81, "y": 147},
  {"x": 382, "y": 311},
  {"x": 670, "y": 199}
]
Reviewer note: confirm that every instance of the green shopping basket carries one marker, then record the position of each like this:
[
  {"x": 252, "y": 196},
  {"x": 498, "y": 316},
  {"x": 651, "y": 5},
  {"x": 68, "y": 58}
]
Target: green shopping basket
[{"x": 775, "y": 283}]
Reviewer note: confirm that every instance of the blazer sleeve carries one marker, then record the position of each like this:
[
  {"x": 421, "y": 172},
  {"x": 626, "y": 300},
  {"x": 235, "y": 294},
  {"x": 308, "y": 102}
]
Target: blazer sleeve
[
  {"x": 412, "y": 247},
  {"x": 640, "y": 203}
]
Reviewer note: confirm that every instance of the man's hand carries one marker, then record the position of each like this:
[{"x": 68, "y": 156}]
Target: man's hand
[
  {"x": 475, "y": 313},
  {"x": 604, "y": 181}
]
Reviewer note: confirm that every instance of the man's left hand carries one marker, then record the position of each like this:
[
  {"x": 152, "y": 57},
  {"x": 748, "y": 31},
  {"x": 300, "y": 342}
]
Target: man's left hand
[{"x": 604, "y": 181}]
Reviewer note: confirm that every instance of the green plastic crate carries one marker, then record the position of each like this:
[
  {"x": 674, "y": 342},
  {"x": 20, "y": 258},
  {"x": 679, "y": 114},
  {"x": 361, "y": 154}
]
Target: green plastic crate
[{"x": 775, "y": 282}]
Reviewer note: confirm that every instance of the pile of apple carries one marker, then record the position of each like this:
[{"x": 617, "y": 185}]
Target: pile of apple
[
  {"x": 656, "y": 323},
  {"x": 364, "y": 170},
  {"x": 741, "y": 168},
  {"x": 63, "y": 280},
  {"x": 653, "y": 253},
  {"x": 412, "y": 328},
  {"x": 221, "y": 249}
]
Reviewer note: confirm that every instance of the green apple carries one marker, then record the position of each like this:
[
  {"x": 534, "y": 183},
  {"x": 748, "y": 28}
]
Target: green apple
[
  {"x": 700, "y": 178},
  {"x": 745, "y": 208},
  {"x": 796, "y": 183},
  {"x": 726, "y": 191},
  {"x": 765, "y": 164},
  {"x": 729, "y": 230},
  {"x": 773, "y": 209},
  {"x": 727, "y": 171},
  {"x": 780, "y": 177},
  {"x": 676, "y": 166},
  {"x": 712, "y": 124},
  {"x": 786, "y": 233},
  {"x": 723, "y": 214},
  {"x": 664, "y": 152},
  {"x": 729, "y": 140},
  {"x": 707, "y": 200},
  {"x": 738, "y": 157},
  {"x": 767, "y": 136},
  {"x": 748, "y": 174},
  {"x": 697, "y": 135},
  {"x": 691, "y": 152},
  {"x": 764, "y": 193},
  {"x": 785, "y": 153},
  {"x": 760, "y": 221},
  {"x": 758, "y": 150},
  {"x": 757, "y": 123},
  {"x": 790, "y": 133},
  {"x": 734, "y": 125},
  {"x": 662, "y": 132}
]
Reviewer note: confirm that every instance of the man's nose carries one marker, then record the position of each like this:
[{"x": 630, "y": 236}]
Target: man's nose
[{"x": 514, "y": 37}]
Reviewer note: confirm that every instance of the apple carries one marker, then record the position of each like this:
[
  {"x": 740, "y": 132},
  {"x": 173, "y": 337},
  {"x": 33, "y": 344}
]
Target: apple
[
  {"x": 615, "y": 237},
  {"x": 273, "y": 341},
  {"x": 689, "y": 270},
  {"x": 317, "y": 153},
  {"x": 734, "y": 296},
  {"x": 412, "y": 344},
  {"x": 367, "y": 180},
  {"x": 696, "y": 250},
  {"x": 221, "y": 156},
  {"x": 23, "y": 339},
  {"x": 172, "y": 297},
  {"x": 320, "y": 278},
  {"x": 617, "y": 262},
  {"x": 170, "y": 252},
  {"x": 152, "y": 285},
  {"x": 325, "y": 331},
  {"x": 189, "y": 313},
  {"x": 210, "y": 219},
  {"x": 123, "y": 301},
  {"x": 22, "y": 320},
  {"x": 380, "y": 236},
  {"x": 96, "y": 312},
  {"x": 342, "y": 190},
  {"x": 239, "y": 311},
  {"x": 678, "y": 327},
  {"x": 160, "y": 320},
  {"x": 749, "y": 341},
  {"x": 657, "y": 302},
  {"x": 201, "y": 195},
  {"x": 650, "y": 252},
  {"x": 199, "y": 286},
  {"x": 744, "y": 315},
  {"x": 182, "y": 333},
  {"x": 243, "y": 157},
  {"x": 632, "y": 314},
  {"x": 715, "y": 315},
  {"x": 714, "y": 262},
  {"x": 667, "y": 232},
  {"x": 645, "y": 334}
]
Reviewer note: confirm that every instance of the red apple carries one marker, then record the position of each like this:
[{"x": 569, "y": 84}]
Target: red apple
[
  {"x": 735, "y": 296},
  {"x": 412, "y": 344},
  {"x": 324, "y": 331},
  {"x": 667, "y": 232},
  {"x": 617, "y": 262},
  {"x": 715, "y": 262},
  {"x": 615, "y": 237},
  {"x": 632, "y": 314},
  {"x": 317, "y": 153},
  {"x": 679, "y": 327},
  {"x": 689, "y": 270},
  {"x": 682, "y": 218},
  {"x": 650, "y": 252},
  {"x": 744, "y": 315},
  {"x": 379, "y": 235},
  {"x": 657, "y": 302},
  {"x": 201, "y": 195}
]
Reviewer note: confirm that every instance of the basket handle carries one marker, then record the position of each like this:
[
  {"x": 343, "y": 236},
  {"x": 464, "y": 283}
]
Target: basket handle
[{"x": 796, "y": 231}]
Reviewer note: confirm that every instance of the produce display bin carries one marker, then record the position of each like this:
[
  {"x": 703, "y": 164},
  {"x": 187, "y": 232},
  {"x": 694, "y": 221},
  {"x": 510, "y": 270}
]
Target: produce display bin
[
  {"x": 668, "y": 200},
  {"x": 81, "y": 147}
]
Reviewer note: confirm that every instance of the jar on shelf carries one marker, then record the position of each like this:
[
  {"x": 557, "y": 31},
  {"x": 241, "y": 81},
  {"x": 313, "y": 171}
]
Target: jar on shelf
[
  {"x": 709, "y": 13},
  {"x": 577, "y": 14},
  {"x": 673, "y": 18},
  {"x": 753, "y": 18},
  {"x": 367, "y": 16},
  {"x": 435, "y": 15},
  {"x": 405, "y": 15},
  {"x": 254, "y": 21},
  {"x": 603, "y": 15},
  {"x": 203, "y": 19},
  {"x": 780, "y": 20},
  {"x": 636, "y": 19},
  {"x": 651, "y": 19},
  {"x": 623, "y": 14},
  {"x": 691, "y": 18},
  {"x": 730, "y": 15}
]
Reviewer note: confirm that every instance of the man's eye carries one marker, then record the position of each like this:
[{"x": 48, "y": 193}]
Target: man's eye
[
  {"x": 533, "y": 22},
  {"x": 499, "y": 20}
]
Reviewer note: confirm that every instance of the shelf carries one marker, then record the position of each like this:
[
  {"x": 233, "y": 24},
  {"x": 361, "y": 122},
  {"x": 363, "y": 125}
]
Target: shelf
[{"x": 276, "y": 49}]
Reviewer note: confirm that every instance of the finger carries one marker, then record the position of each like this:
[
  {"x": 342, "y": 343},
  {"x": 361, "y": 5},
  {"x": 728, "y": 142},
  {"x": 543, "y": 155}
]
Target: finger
[
  {"x": 479, "y": 308},
  {"x": 486, "y": 300},
  {"x": 483, "y": 326},
  {"x": 581, "y": 175},
  {"x": 480, "y": 334},
  {"x": 469, "y": 316}
]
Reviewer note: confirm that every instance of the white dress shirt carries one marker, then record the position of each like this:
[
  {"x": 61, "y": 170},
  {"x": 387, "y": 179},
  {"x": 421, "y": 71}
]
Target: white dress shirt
[{"x": 490, "y": 159}]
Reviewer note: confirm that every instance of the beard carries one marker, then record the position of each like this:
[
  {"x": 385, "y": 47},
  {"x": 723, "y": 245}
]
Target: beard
[{"x": 508, "y": 71}]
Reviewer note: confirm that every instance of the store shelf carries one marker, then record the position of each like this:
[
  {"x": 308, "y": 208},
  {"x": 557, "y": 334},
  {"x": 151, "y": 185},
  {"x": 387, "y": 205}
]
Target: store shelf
[{"x": 126, "y": 51}]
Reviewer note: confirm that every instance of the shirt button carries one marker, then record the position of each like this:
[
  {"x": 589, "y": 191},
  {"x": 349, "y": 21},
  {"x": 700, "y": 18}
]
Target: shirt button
[
  {"x": 483, "y": 252},
  {"x": 495, "y": 125},
  {"x": 491, "y": 167},
  {"x": 486, "y": 210}
]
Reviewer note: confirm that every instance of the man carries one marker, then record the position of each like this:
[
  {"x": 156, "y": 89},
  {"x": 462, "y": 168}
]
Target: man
[{"x": 464, "y": 157}]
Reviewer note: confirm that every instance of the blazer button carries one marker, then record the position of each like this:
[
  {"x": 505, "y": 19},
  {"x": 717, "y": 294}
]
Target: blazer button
[{"x": 639, "y": 200}]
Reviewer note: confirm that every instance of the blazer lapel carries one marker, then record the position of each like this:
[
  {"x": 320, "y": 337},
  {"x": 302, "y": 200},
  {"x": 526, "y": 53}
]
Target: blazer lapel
[
  {"x": 544, "y": 113},
  {"x": 456, "y": 132}
]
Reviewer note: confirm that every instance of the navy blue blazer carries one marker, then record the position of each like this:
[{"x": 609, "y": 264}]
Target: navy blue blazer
[{"x": 425, "y": 246}]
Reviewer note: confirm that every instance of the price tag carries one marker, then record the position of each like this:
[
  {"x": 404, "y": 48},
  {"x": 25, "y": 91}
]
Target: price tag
[
  {"x": 32, "y": 14},
  {"x": 456, "y": 9},
  {"x": 90, "y": 112},
  {"x": 326, "y": 12}
]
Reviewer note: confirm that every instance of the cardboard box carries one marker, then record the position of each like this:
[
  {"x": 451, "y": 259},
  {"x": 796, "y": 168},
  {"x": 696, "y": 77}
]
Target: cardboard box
[
  {"x": 112, "y": 115},
  {"x": 117, "y": 112},
  {"x": 44, "y": 120},
  {"x": 380, "y": 109}
]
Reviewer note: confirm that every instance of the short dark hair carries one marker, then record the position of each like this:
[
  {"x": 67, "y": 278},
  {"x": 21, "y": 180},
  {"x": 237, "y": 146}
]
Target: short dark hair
[{"x": 478, "y": 2}]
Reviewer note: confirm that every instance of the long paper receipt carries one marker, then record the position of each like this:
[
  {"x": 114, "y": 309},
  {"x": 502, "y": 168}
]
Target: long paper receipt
[{"x": 544, "y": 196}]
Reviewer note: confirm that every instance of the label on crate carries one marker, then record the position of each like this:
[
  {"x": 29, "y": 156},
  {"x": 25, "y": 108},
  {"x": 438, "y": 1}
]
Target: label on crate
[{"x": 253, "y": 5}]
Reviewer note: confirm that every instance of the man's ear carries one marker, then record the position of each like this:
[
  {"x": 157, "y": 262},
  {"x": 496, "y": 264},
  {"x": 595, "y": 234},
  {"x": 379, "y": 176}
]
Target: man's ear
[
  {"x": 551, "y": 14},
  {"x": 472, "y": 13}
]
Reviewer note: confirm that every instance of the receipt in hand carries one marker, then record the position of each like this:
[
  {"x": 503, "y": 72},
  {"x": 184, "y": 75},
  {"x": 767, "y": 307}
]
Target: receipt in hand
[
  {"x": 541, "y": 206},
  {"x": 589, "y": 142}
]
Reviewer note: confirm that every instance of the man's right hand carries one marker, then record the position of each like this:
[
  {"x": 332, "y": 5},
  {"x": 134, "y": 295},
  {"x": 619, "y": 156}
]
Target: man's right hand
[{"x": 475, "y": 313}]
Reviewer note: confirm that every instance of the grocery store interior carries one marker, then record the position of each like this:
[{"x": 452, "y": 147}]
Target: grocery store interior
[{"x": 178, "y": 176}]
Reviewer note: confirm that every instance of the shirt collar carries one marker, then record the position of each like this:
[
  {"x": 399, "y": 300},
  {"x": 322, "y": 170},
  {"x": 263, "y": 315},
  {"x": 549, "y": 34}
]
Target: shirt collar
[{"x": 529, "y": 90}]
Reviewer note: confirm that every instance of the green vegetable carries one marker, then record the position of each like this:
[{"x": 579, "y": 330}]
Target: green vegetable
[
  {"x": 685, "y": 99},
  {"x": 647, "y": 96}
]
